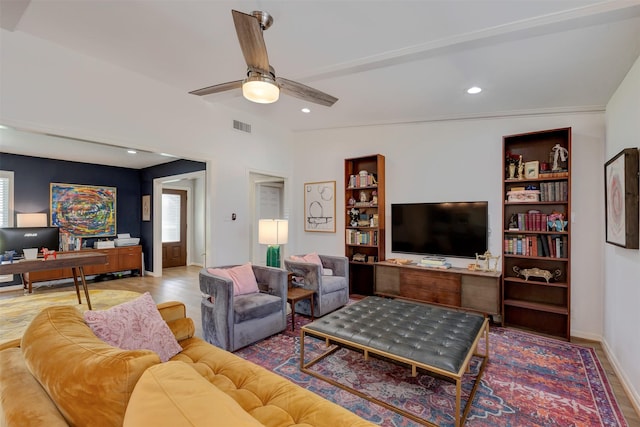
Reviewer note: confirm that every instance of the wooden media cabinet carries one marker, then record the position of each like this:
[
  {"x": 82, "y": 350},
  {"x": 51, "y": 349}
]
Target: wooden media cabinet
[
  {"x": 454, "y": 287},
  {"x": 121, "y": 258}
]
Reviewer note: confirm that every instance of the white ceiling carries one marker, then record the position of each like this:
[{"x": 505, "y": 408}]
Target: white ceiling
[{"x": 386, "y": 61}]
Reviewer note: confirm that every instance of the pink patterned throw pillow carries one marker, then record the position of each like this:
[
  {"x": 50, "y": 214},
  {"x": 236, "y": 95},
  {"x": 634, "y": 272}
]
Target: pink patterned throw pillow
[
  {"x": 313, "y": 258},
  {"x": 134, "y": 325},
  {"x": 244, "y": 281}
]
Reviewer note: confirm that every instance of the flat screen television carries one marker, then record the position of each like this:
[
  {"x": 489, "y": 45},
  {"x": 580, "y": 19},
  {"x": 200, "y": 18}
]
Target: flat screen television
[
  {"x": 19, "y": 238},
  {"x": 457, "y": 229}
]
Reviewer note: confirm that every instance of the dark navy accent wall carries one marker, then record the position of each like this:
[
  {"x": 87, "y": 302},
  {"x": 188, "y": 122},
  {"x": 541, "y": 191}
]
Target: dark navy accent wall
[
  {"x": 32, "y": 176},
  {"x": 147, "y": 176}
]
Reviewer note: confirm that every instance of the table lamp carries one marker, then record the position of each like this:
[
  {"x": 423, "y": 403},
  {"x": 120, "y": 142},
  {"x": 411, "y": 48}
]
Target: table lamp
[{"x": 273, "y": 232}]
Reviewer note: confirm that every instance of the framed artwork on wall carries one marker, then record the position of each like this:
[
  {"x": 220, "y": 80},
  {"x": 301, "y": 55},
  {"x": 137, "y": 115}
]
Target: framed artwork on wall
[
  {"x": 320, "y": 206},
  {"x": 83, "y": 210},
  {"x": 621, "y": 199},
  {"x": 146, "y": 207}
]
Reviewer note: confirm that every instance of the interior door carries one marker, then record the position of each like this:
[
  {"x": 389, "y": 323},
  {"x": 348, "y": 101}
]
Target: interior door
[
  {"x": 174, "y": 228},
  {"x": 268, "y": 205}
]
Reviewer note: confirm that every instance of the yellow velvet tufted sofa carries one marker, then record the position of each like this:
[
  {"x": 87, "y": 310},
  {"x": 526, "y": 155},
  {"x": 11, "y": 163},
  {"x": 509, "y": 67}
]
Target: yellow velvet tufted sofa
[{"x": 62, "y": 374}]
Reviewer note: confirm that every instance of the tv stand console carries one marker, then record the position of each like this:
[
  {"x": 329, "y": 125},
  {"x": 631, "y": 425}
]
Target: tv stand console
[{"x": 454, "y": 287}]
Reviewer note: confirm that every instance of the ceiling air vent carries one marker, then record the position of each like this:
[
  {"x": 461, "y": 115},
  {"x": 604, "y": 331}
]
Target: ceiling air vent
[{"x": 244, "y": 127}]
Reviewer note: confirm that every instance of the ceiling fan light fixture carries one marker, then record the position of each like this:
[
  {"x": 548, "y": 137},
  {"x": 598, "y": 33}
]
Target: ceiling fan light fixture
[{"x": 261, "y": 89}]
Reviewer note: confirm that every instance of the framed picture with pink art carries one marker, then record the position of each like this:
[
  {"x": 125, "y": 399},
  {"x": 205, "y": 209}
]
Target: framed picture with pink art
[{"x": 621, "y": 199}]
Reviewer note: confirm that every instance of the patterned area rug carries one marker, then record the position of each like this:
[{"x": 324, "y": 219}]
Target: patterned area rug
[
  {"x": 16, "y": 313},
  {"x": 529, "y": 381}
]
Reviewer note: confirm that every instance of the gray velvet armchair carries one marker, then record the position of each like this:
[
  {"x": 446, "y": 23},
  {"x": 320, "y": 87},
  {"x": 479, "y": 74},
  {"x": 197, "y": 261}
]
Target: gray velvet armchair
[
  {"x": 331, "y": 292},
  {"x": 235, "y": 321}
]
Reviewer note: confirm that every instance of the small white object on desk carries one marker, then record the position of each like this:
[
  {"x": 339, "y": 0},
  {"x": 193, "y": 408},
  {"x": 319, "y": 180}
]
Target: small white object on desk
[
  {"x": 103, "y": 244},
  {"x": 125, "y": 239},
  {"x": 30, "y": 253}
]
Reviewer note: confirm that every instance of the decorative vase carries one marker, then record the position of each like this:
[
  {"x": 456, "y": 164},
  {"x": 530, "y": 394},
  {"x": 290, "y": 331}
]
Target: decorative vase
[{"x": 512, "y": 171}]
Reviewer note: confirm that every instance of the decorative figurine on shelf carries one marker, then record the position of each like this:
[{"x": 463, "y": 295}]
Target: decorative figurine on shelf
[
  {"x": 8, "y": 257},
  {"x": 354, "y": 215},
  {"x": 520, "y": 168},
  {"x": 537, "y": 272},
  {"x": 352, "y": 201},
  {"x": 47, "y": 253},
  {"x": 556, "y": 222},
  {"x": 486, "y": 257},
  {"x": 559, "y": 153},
  {"x": 374, "y": 198},
  {"x": 511, "y": 160},
  {"x": 363, "y": 197},
  {"x": 513, "y": 222}
]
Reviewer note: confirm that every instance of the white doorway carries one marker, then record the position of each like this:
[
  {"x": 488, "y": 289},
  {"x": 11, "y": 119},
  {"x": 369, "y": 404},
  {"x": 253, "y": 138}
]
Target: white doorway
[
  {"x": 194, "y": 184},
  {"x": 268, "y": 199}
]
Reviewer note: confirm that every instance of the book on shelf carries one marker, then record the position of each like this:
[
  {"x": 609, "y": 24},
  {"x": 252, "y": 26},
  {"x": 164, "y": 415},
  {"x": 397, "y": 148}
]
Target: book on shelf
[
  {"x": 552, "y": 246},
  {"x": 360, "y": 237},
  {"x": 557, "y": 191},
  {"x": 444, "y": 266},
  {"x": 530, "y": 221},
  {"x": 359, "y": 181},
  {"x": 526, "y": 245},
  {"x": 545, "y": 246}
]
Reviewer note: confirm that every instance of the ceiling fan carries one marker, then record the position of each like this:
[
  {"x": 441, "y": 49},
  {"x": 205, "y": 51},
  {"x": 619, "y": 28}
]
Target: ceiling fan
[{"x": 261, "y": 84}]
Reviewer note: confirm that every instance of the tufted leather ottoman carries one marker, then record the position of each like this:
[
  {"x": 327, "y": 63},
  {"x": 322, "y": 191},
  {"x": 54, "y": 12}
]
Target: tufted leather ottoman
[{"x": 433, "y": 338}]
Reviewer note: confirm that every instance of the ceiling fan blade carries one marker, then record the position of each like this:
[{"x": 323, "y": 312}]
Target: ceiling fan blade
[
  {"x": 251, "y": 41},
  {"x": 305, "y": 92},
  {"x": 217, "y": 88}
]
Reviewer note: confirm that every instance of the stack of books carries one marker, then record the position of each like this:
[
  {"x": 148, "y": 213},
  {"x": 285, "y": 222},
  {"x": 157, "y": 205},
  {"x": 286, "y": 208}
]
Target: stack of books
[{"x": 434, "y": 262}]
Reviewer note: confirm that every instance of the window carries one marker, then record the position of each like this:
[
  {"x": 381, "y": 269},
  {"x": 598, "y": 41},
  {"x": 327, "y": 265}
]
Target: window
[
  {"x": 170, "y": 218},
  {"x": 6, "y": 198}
]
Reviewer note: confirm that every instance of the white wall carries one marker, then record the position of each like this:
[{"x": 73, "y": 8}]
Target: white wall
[
  {"x": 622, "y": 266},
  {"x": 51, "y": 89},
  {"x": 461, "y": 161}
]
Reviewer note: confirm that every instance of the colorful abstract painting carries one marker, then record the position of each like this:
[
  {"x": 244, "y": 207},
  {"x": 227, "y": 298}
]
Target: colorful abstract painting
[{"x": 84, "y": 210}]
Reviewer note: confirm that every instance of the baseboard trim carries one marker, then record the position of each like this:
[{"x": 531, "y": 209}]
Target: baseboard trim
[{"x": 632, "y": 394}]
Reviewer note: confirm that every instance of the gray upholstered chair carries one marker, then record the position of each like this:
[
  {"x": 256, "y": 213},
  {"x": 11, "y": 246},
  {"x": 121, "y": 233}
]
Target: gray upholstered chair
[
  {"x": 235, "y": 321},
  {"x": 331, "y": 291}
]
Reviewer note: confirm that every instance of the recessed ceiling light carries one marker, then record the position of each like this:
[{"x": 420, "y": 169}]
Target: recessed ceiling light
[
  {"x": 473, "y": 90},
  {"x": 305, "y": 110},
  {"x": 131, "y": 151}
]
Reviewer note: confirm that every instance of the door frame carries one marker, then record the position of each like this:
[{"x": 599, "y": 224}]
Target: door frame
[
  {"x": 158, "y": 185},
  {"x": 257, "y": 178}
]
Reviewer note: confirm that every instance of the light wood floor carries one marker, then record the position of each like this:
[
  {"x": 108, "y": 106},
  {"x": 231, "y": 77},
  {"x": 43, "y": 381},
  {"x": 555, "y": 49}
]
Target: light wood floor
[{"x": 181, "y": 284}]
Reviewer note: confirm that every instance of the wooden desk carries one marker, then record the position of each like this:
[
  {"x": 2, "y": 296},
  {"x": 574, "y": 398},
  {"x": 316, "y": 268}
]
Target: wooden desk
[
  {"x": 297, "y": 294},
  {"x": 75, "y": 261}
]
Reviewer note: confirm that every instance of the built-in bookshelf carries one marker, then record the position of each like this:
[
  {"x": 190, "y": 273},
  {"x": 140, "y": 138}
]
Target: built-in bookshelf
[
  {"x": 364, "y": 220},
  {"x": 536, "y": 285}
]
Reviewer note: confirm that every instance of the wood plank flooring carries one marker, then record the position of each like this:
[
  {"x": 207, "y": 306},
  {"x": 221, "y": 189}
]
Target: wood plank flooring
[{"x": 181, "y": 284}]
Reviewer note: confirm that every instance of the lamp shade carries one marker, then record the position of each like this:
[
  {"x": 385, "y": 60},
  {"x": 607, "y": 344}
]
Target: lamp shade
[
  {"x": 260, "y": 89},
  {"x": 273, "y": 231},
  {"x": 31, "y": 220}
]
